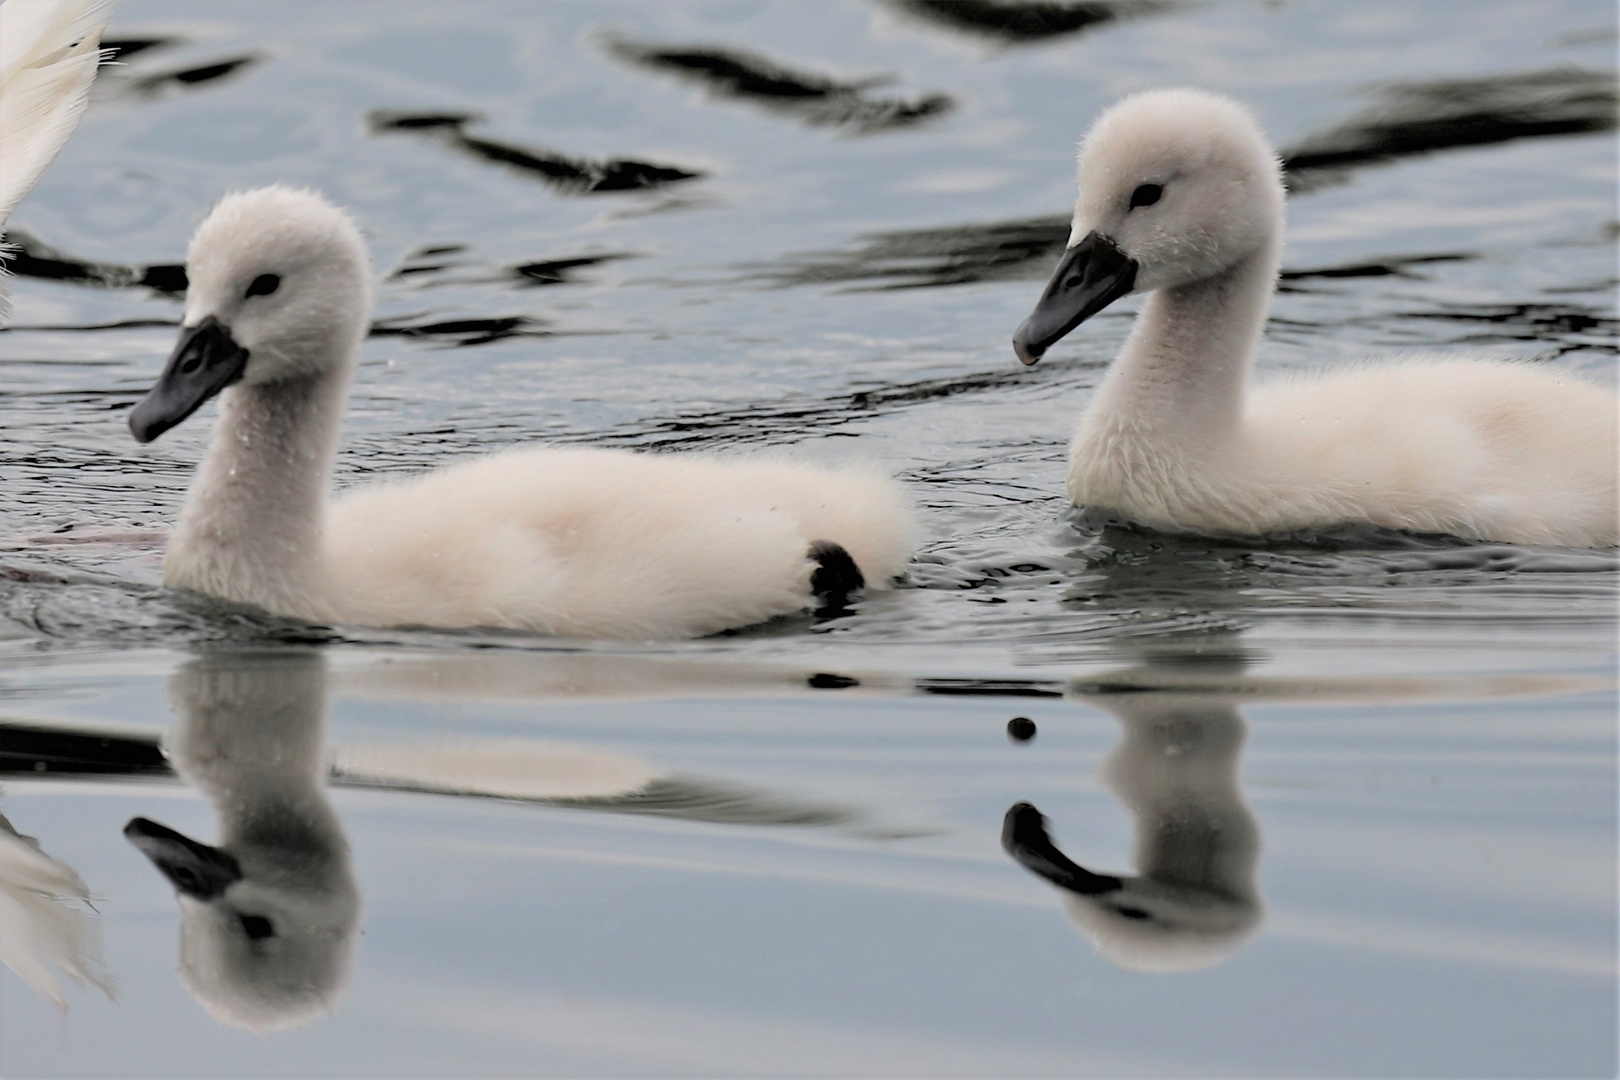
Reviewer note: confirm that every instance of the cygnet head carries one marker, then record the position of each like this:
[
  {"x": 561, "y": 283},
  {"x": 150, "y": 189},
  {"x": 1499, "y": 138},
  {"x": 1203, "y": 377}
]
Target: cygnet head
[
  {"x": 266, "y": 934},
  {"x": 278, "y": 290},
  {"x": 1176, "y": 187},
  {"x": 1138, "y": 923},
  {"x": 1148, "y": 926}
]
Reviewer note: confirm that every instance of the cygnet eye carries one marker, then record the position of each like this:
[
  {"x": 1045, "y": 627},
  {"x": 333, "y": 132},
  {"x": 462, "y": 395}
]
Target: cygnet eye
[
  {"x": 257, "y": 927},
  {"x": 1146, "y": 195},
  {"x": 263, "y": 285}
]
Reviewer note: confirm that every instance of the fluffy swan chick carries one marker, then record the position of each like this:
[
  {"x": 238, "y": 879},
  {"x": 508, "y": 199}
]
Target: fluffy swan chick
[
  {"x": 1181, "y": 197},
  {"x": 577, "y": 542}
]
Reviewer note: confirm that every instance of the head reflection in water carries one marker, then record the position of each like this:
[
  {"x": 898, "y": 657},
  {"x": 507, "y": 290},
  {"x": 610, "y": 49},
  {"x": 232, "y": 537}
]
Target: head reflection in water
[
  {"x": 1193, "y": 902},
  {"x": 267, "y": 917}
]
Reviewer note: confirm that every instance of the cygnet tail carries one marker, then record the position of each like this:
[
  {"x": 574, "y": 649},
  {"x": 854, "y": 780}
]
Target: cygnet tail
[
  {"x": 836, "y": 577},
  {"x": 49, "y": 51}
]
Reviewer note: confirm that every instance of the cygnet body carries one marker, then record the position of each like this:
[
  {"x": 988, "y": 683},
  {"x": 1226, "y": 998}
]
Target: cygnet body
[
  {"x": 1181, "y": 197},
  {"x": 49, "y": 51},
  {"x": 578, "y": 542}
]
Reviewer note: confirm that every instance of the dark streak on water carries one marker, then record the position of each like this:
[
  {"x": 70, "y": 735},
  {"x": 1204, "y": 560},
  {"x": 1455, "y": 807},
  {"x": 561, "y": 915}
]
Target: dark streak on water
[
  {"x": 1415, "y": 118},
  {"x": 816, "y": 100},
  {"x": 1024, "y": 22},
  {"x": 569, "y": 175}
]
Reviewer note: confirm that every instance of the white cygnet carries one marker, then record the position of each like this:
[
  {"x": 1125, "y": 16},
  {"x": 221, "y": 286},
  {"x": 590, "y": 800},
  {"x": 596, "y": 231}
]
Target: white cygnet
[
  {"x": 49, "y": 51},
  {"x": 1181, "y": 197},
  {"x": 577, "y": 542}
]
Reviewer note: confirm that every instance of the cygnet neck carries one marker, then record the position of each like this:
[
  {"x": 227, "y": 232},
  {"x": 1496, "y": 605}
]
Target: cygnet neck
[
  {"x": 252, "y": 527},
  {"x": 1184, "y": 369}
]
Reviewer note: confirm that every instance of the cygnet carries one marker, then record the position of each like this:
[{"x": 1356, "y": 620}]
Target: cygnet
[
  {"x": 576, "y": 542},
  {"x": 1181, "y": 197}
]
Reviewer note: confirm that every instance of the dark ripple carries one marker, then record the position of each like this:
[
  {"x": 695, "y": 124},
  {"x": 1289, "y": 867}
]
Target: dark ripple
[
  {"x": 811, "y": 98},
  {"x": 48, "y": 602},
  {"x": 1416, "y": 118},
  {"x": 32, "y": 258},
  {"x": 1024, "y": 22},
  {"x": 187, "y": 78},
  {"x": 119, "y": 49},
  {"x": 569, "y": 175}
]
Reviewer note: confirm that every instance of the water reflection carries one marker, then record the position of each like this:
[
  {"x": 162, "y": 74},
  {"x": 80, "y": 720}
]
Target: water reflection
[
  {"x": 267, "y": 917},
  {"x": 569, "y": 175},
  {"x": 813, "y": 99},
  {"x": 1024, "y": 22},
  {"x": 1412, "y": 118},
  {"x": 29, "y": 257},
  {"x": 1193, "y": 901},
  {"x": 48, "y": 927}
]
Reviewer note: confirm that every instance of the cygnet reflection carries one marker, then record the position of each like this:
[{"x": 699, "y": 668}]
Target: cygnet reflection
[
  {"x": 267, "y": 917},
  {"x": 47, "y": 927},
  {"x": 1193, "y": 901}
]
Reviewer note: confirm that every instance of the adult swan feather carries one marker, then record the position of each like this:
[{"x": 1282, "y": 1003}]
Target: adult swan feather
[
  {"x": 576, "y": 542},
  {"x": 1181, "y": 197},
  {"x": 49, "y": 50}
]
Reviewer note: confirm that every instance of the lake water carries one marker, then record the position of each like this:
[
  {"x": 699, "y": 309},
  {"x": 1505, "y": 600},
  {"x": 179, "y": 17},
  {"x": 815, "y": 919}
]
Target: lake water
[{"x": 1360, "y": 790}]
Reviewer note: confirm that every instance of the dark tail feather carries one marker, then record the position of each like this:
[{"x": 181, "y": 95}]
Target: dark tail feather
[{"x": 836, "y": 577}]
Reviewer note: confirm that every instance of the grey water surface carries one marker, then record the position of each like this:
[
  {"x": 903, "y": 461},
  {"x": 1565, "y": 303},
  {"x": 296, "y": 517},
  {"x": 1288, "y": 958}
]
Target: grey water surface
[{"x": 1334, "y": 805}]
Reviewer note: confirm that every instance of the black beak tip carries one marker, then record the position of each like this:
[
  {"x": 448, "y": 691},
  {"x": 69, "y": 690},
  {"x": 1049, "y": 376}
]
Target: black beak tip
[
  {"x": 1020, "y": 819},
  {"x": 1026, "y": 351},
  {"x": 140, "y": 827},
  {"x": 143, "y": 432}
]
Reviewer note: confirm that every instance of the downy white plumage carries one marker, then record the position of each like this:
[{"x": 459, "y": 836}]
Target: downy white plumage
[
  {"x": 578, "y": 542},
  {"x": 49, "y": 50},
  {"x": 1181, "y": 197}
]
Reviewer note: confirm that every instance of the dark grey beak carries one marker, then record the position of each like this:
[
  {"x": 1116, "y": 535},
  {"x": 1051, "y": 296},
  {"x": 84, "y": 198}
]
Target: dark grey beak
[
  {"x": 205, "y": 361},
  {"x": 197, "y": 870},
  {"x": 1090, "y": 276},
  {"x": 1023, "y": 836}
]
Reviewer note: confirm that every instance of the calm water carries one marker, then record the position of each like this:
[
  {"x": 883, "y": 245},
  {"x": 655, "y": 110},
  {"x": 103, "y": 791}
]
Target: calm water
[{"x": 1360, "y": 790}]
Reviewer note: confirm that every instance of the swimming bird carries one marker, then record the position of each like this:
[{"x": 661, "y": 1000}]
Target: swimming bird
[
  {"x": 569, "y": 541},
  {"x": 268, "y": 916},
  {"x": 1181, "y": 197},
  {"x": 49, "y": 52}
]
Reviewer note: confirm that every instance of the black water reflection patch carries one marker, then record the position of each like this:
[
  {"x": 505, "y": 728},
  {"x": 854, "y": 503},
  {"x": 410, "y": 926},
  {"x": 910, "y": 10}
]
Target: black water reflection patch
[
  {"x": 1410, "y": 119},
  {"x": 570, "y": 175},
  {"x": 31, "y": 258},
  {"x": 1025, "y": 22},
  {"x": 442, "y": 265},
  {"x": 185, "y": 78},
  {"x": 459, "y": 332},
  {"x": 117, "y": 49},
  {"x": 811, "y": 98}
]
